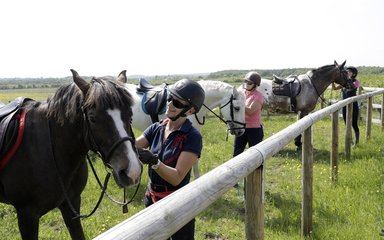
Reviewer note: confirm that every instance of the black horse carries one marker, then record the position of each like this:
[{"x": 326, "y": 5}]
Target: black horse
[{"x": 49, "y": 170}]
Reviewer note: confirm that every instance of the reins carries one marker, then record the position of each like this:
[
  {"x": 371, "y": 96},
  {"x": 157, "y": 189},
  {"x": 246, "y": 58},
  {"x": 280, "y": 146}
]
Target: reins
[
  {"x": 125, "y": 203},
  {"x": 94, "y": 147},
  {"x": 230, "y": 101},
  {"x": 317, "y": 92},
  {"x": 62, "y": 186}
]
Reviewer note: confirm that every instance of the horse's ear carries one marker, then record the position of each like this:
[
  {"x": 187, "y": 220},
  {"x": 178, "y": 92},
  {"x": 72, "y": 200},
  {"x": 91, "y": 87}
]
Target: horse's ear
[
  {"x": 343, "y": 64},
  {"x": 122, "y": 77},
  {"x": 235, "y": 92},
  {"x": 80, "y": 82}
]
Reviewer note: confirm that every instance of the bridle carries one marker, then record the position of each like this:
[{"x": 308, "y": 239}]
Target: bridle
[
  {"x": 341, "y": 76},
  {"x": 89, "y": 138},
  {"x": 348, "y": 81},
  {"x": 231, "y": 122},
  {"x": 106, "y": 159},
  {"x": 96, "y": 148}
]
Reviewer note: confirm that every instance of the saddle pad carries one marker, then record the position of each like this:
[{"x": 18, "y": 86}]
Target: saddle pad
[{"x": 12, "y": 138}]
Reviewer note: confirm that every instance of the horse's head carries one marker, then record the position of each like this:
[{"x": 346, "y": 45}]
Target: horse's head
[
  {"x": 342, "y": 76},
  {"x": 234, "y": 112},
  {"x": 107, "y": 119}
]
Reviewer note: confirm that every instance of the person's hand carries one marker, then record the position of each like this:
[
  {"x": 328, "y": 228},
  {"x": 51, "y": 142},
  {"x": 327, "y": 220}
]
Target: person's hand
[{"x": 147, "y": 157}]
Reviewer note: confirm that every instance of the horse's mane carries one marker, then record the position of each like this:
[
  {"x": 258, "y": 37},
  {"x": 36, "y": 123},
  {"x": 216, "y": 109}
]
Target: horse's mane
[
  {"x": 212, "y": 84},
  {"x": 320, "y": 71},
  {"x": 65, "y": 104}
]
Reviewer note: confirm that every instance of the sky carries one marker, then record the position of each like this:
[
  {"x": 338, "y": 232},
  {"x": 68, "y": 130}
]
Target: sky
[{"x": 47, "y": 38}]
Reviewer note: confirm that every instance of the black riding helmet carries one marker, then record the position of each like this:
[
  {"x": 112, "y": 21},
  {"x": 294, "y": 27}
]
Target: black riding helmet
[
  {"x": 353, "y": 70},
  {"x": 253, "y": 77},
  {"x": 190, "y": 91}
]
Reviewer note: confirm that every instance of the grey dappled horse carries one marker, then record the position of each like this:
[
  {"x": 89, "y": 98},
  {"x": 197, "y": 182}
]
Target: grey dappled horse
[{"x": 303, "y": 91}]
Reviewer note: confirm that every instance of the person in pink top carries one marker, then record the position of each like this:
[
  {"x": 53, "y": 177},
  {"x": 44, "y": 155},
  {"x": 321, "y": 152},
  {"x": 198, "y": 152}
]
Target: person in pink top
[
  {"x": 253, "y": 102},
  {"x": 347, "y": 93}
]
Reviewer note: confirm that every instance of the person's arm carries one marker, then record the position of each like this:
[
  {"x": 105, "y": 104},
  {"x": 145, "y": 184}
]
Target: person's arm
[
  {"x": 336, "y": 87},
  {"x": 356, "y": 83},
  {"x": 253, "y": 107},
  {"x": 175, "y": 175},
  {"x": 142, "y": 142}
]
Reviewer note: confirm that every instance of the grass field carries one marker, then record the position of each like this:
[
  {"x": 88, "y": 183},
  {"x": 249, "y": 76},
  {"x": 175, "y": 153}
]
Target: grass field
[{"x": 352, "y": 208}]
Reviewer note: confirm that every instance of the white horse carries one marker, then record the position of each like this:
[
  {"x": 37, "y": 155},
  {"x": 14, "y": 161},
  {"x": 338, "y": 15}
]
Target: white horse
[{"x": 217, "y": 94}]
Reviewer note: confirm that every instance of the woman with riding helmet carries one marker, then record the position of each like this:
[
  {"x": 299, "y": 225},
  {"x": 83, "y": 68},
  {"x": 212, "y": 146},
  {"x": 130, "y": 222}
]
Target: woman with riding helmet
[
  {"x": 347, "y": 93},
  {"x": 175, "y": 146},
  {"x": 253, "y": 103}
]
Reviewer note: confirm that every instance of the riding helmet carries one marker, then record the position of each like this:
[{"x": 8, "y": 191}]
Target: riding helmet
[
  {"x": 353, "y": 70},
  {"x": 253, "y": 77},
  {"x": 190, "y": 91}
]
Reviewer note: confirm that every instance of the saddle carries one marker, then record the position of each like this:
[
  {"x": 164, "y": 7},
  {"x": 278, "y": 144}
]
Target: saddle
[
  {"x": 10, "y": 135},
  {"x": 154, "y": 98},
  {"x": 288, "y": 87}
]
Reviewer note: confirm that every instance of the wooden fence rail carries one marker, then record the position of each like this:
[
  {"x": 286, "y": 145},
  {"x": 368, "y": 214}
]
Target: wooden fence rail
[{"x": 164, "y": 218}]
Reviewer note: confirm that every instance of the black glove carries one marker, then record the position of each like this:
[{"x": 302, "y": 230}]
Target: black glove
[{"x": 147, "y": 157}]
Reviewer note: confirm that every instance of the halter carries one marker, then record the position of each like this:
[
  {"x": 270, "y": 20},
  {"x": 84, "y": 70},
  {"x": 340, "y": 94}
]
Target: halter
[{"x": 227, "y": 122}]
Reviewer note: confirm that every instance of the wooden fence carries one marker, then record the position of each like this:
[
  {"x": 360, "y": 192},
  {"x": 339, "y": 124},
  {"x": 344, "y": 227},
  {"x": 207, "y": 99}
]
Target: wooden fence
[
  {"x": 377, "y": 107},
  {"x": 164, "y": 218}
]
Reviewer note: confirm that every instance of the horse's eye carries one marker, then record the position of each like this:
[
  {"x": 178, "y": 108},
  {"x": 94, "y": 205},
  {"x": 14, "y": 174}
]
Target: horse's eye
[
  {"x": 92, "y": 119},
  {"x": 237, "y": 108}
]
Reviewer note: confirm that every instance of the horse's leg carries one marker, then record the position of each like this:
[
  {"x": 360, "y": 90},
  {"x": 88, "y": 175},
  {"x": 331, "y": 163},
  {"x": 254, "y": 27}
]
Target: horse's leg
[
  {"x": 78, "y": 183},
  {"x": 73, "y": 225},
  {"x": 196, "y": 173},
  {"x": 298, "y": 142},
  {"x": 28, "y": 222}
]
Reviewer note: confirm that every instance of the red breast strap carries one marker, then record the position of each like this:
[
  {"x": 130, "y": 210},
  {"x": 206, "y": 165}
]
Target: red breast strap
[{"x": 18, "y": 141}]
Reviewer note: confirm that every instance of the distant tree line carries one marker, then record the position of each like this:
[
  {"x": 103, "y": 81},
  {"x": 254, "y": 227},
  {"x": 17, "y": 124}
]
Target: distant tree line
[
  {"x": 268, "y": 73},
  {"x": 226, "y": 75}
]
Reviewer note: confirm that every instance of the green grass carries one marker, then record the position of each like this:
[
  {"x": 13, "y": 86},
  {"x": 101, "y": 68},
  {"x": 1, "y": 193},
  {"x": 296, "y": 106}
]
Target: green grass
[{"x": 352, "y": 208}]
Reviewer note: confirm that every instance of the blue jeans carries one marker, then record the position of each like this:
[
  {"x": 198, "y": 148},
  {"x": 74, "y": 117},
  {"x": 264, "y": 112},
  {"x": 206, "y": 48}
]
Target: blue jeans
[{"x": 251, "y": 136}]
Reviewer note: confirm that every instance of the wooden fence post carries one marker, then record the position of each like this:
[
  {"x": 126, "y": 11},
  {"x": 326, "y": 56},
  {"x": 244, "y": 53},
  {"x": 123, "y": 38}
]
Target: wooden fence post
[
  {"x": 359, "y": 90},
  {"x": 307, "y": 179},
  {"x": 335, "y": 146},
  {"x": 382, "y": 113},
  {"x": 369, "y": 119},
  {"x": 348, "y": 131},
  {"x": 254, "y": 205}
]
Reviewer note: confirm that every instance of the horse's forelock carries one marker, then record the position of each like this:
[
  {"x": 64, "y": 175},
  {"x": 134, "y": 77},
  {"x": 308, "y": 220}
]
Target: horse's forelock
[
  {"x": 65, "y": 104},
  {"x": 107, "y": 94}
]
